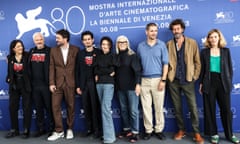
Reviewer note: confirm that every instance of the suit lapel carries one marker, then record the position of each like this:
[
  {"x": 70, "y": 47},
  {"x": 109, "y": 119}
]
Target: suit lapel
[
  {"x": 60, "y": 56},
  {"x": 69, "y": 56},
  {"x": 173, "y": 45}
]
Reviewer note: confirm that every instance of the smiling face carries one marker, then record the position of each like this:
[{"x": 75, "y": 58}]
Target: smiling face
[
  {"x": 122, "y": 44},
  {"x": 177, "y": 31},
  {"x": 105, "y": 46},
  {"x": 213, "y": 39},
  {"x": 60, "y": 40},
  {"x": 39, "y": 41},
  {"x": 18, "y": 49}
]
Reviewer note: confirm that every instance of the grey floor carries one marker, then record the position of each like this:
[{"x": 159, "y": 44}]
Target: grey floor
[{"x": 89, "y": 140}]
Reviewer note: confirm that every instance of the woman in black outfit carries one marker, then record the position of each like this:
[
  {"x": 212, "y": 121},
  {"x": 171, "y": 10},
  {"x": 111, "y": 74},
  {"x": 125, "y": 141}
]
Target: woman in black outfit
[
  {"x": 216, "y": 85},
  {"x": 128, "y": 77},
  {"x": 19, "y": 85}
]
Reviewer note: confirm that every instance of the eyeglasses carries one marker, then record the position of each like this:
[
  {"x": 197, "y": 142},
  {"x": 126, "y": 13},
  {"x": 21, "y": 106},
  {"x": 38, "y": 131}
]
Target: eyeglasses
[{"x": 122, "y": 42}]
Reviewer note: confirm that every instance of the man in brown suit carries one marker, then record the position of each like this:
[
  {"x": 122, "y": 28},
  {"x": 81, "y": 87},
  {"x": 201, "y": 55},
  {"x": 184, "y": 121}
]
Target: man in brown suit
[{"x": 62, "y": 82}]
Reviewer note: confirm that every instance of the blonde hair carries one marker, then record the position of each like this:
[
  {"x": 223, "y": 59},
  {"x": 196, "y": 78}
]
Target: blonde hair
[
  {"x": 222, "y": 42},
  {"x": 130, "y": 51}
]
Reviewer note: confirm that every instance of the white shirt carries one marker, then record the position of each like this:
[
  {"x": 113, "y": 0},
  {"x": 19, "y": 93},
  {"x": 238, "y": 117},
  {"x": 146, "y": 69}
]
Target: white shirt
[{"x": 65, "y": 54}]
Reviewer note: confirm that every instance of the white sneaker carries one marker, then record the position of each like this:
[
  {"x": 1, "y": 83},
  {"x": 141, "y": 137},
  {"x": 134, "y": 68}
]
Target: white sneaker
[
  {"x": 55, "y": 136},
  {"x": 69, "y": 134}
]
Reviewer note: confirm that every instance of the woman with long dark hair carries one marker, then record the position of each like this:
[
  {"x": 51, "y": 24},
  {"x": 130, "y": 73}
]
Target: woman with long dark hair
[{"x": 19, "y": 86}]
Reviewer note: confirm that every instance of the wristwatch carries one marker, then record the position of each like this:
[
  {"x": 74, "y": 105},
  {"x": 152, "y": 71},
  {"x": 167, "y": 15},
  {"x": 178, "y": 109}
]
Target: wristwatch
[{"x": 163, "y": 80}]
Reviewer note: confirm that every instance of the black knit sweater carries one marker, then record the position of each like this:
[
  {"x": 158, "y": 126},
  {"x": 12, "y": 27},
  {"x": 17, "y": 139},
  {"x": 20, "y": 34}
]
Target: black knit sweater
[{"x": 128, "y": 73}]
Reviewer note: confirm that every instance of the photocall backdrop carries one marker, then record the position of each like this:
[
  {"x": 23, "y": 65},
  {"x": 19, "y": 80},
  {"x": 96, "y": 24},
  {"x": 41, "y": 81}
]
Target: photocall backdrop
[{"x": 20, "y": 19}]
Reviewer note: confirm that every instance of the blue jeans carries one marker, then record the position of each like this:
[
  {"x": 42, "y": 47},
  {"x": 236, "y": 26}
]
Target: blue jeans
[
  {"x": 105, "y": 94},
  {"x": 129, "y": 102}
]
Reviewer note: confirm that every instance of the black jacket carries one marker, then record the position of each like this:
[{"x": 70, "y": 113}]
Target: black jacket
[
  {"x": 46, "y": 63},
  {"x": 84, "y": 71},
  {"x": 10, "y": 73},
  {"x": 226, "y": 70}
]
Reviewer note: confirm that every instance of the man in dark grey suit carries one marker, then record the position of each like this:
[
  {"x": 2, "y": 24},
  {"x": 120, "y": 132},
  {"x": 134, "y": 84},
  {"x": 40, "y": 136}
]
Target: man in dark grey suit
[{"x": 62, "y": 82}]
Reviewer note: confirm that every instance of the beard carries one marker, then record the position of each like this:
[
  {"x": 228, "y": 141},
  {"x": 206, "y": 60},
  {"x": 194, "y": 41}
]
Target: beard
[
  {"x": 40, "y": 46},
  {"x": 59, "y": 44},
  {"x": 177, "y": 35}
]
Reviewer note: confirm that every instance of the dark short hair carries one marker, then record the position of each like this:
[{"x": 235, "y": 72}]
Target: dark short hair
[
  {"x": 12, "y": 46},
  {"x": 177, "y": 22},
  {"x": 107, "y": 39},
  {"x": 151, "y": 24},
  {"x": 64, "y": 33},
  {"x": 86, "y": 33}
]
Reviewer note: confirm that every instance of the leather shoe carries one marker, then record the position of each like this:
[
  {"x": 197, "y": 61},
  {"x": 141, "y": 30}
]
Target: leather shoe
[
  {"x": 12, "y": 134},
  {"x": 160, "y": 135},
  {"x": 147, "y": 136}
]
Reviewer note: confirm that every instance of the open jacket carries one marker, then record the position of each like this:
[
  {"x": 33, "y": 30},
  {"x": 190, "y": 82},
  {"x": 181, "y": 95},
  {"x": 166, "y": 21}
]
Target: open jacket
[
  {"x": 225, "y": 66},
  {"x": 191, "y": 59},
  {"x": 58, "y": 71},
  {"x": 26, "y": 73}
]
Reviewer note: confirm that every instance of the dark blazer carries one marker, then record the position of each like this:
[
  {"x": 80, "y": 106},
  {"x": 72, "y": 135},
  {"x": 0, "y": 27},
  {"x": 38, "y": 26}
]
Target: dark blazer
[
  {"x": 46, "y": 63},
  {"x": 58, "y": 72},
  {"x": 226, "y": 70},
  {"x": 10, "y": 73}
]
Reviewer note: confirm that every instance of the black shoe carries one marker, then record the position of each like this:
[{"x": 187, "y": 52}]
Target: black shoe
[
  {"x": 88, "y": 133},
  {"x": 147, "y": 136},
  {"x": 160, "y": 135},
  {"x": 12, "y": 134},
  {"x": 97, "y": 135},
  {"x": 25, "y": 134},
  {"x": 133, "y": 138},
  {"x": 40, "y": 133}
]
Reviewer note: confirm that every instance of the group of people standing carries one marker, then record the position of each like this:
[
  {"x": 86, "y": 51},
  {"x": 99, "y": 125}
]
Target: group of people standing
[{"x": 51, "y": 75}]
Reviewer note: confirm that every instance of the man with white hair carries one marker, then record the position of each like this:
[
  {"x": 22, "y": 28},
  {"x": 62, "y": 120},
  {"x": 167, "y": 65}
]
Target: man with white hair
[{"x": 39, "y": 67}]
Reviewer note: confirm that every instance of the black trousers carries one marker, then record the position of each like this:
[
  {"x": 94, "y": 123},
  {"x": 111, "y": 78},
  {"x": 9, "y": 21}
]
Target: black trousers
[
  {"x": 42, "y": 100},
  {"x": 223, "y": 99},
  {"x": 14, "y": 102},
  {"x": 91, "y": 106}
]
